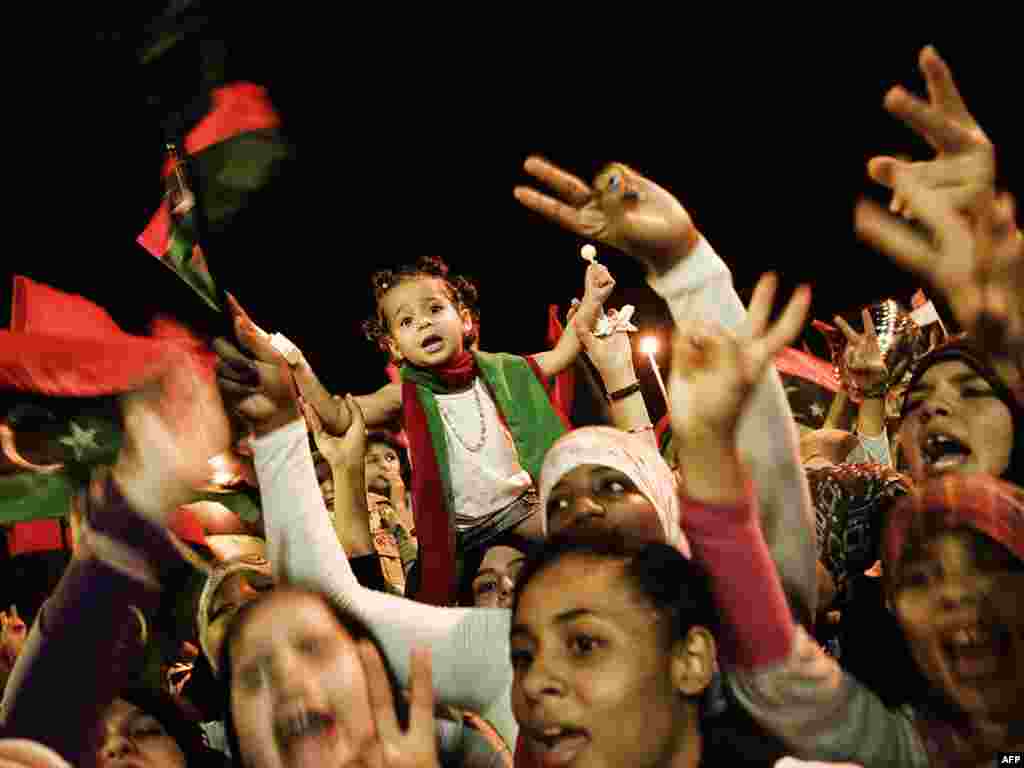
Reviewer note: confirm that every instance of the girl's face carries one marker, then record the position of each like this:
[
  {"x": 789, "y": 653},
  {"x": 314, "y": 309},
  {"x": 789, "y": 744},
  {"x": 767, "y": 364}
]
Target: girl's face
[
  {"x": 594, "y": 496},
  {"x": 426, "y": 328},
  {"x": 133, "y": 739},
  {"x": 596, "y": 681},
  {"x": 955, "y": 423},
  {"x": 960, "y": 601},
  {"x": 381, "y": 464},
  {"x": 298, "y": 692},
  {"x": 495, "y": 582}
]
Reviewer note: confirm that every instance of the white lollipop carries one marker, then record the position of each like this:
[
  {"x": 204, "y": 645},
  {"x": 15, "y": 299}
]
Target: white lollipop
[{"x": 589, "y": 253}]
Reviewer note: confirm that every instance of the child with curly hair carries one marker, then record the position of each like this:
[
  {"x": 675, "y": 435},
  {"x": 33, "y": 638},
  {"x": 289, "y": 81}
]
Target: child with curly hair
[{"x": 478, "y": 423}]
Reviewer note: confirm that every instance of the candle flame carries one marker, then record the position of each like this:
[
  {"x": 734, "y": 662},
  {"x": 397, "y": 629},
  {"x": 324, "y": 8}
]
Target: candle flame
[{"x": 649, "y": 345}]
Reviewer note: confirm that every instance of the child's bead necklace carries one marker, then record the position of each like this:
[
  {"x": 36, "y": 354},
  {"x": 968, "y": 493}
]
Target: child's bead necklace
[{"x": 483, "y": 423}]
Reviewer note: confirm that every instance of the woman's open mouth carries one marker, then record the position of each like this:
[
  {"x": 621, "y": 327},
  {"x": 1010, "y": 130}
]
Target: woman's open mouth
[
  {"x": 307, "y": 737},
  {"x": 943, "y": 452},
  {"x": 976, "y": 652}
]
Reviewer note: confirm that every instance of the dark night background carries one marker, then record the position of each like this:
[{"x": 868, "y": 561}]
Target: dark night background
[{"x": 408, "y": 138}]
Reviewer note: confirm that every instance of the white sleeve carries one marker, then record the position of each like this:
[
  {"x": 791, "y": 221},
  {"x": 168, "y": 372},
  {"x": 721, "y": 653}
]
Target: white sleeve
[
  {"x": 701, "y": 287},
  {"x": 469, "y": 646}
]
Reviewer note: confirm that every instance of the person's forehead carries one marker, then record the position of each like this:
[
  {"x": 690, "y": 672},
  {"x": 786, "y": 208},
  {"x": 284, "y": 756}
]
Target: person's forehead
[
  {"x": 500, "y": 557},
  {"x": 583, "y": 473},
  {"x": 961, "y": 545},
  {"x": 412, "y": 292},
  {"x": 948, "y": 369},
  {"x": 579, "y": 582},
  {"x": 380, "y": 448},
  {"x": 282, "y": 614}
]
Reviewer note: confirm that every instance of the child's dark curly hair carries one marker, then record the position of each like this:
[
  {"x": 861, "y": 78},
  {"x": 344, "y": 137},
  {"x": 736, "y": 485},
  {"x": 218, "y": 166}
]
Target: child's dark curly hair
[{"x": 462, "y": 292}]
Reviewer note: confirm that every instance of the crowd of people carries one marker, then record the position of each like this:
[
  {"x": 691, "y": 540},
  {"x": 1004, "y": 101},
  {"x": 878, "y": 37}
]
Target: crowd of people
[{"x": 446, "y": 572}]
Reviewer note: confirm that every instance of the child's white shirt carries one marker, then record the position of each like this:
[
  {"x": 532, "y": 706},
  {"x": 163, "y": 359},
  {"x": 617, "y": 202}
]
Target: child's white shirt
[{"x": 489, "y": 477}]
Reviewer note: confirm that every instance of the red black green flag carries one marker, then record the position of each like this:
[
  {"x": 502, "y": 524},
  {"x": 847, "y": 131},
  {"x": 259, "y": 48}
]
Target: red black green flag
[{"x": 231, "y": 153}]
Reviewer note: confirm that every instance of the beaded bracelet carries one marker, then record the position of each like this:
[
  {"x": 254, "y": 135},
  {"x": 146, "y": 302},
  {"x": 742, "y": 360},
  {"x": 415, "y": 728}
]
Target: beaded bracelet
[
  {"x": 636, "y": 430},
  {"x": 626, "y": 391}
]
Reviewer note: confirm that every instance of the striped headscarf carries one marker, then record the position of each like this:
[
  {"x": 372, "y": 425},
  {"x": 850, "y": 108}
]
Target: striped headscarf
[{"x": 980, "y": 502}]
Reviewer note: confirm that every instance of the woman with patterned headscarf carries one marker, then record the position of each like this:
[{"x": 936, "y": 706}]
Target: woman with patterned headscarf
[
  {"x": 602, "y": 477},
  {"x": 953, "y": 557}
]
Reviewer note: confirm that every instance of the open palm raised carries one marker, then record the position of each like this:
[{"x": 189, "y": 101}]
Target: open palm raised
[{"x": 622, "y": 209}]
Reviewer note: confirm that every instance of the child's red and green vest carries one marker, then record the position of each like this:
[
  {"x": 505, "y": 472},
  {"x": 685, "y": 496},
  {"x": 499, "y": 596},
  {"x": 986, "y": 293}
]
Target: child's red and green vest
[{"x": 522, "y": 398}]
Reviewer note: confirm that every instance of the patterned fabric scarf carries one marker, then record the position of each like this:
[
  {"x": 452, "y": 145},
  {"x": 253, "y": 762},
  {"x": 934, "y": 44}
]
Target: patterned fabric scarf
[
  {"x": 517, "y": 386},
  {"x": 851, "y": 504}
]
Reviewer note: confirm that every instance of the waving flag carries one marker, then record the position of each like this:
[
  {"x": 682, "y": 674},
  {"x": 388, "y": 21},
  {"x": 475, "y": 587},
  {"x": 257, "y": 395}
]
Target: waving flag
[{"x": 231, "y": 153}]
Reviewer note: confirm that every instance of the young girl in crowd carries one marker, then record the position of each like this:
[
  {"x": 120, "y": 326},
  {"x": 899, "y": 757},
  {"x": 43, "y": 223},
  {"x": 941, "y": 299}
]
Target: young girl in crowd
[
  {"x": 387, "y": 479},
  {"x": 494, "y": 583},
  {"x": 478, "y": 423},
  {"x": 305, "y": 685},
  {"x": 612, "y": 651},
  {"x": 295, "y": 684},
  {"x": 372, "y": 535}
]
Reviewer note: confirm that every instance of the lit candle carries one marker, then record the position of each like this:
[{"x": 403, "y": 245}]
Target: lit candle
[{"x": 649, "y": 346}]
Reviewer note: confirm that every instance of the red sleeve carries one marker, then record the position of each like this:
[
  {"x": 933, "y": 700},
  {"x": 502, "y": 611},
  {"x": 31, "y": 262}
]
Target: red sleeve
[{"x": 757, "y": 627}]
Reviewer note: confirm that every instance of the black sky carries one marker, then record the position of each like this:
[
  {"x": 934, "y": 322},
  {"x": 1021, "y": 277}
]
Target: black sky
[{"x": 409, "y": 141}]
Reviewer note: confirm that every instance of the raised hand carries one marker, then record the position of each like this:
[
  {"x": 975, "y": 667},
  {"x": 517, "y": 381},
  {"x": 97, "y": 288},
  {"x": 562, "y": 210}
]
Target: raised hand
[
  {"x": 963, "y": 170},
  {"x": 598, "y": 284},
  {"x": 714, "y": 370},
  {"x": 347, "y": 452},
  {"x": 977, "y": 263},
  {"x": 864, "y": 359},
  {"x": 612, "y": 355},
  {"x": 172, "y": 428},
  {"x": 622, "y": 209},
  {"x": 259, "y": 387},
  {"x": 396, "y": 485},
  {"x": 416, "y": 746},
  {"x": 331, "y": 409}
]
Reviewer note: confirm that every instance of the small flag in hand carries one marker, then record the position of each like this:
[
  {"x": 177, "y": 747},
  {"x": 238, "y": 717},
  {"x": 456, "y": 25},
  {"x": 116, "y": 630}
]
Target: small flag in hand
[{"x": 231, "y": 153}]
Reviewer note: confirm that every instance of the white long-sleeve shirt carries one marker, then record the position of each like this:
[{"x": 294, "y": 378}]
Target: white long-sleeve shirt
[{"x": 700, "y": 287}]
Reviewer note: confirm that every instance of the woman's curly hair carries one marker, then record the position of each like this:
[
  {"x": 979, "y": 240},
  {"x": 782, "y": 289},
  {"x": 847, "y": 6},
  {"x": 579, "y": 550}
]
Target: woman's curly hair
[{"x": 462, "y": 291}]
